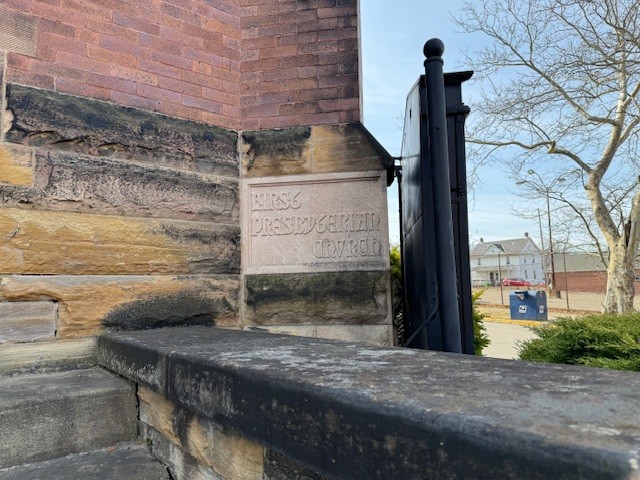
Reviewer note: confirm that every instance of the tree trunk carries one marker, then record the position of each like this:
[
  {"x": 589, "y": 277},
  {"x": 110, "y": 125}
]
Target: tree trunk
[{"x": 620, "y": 280}]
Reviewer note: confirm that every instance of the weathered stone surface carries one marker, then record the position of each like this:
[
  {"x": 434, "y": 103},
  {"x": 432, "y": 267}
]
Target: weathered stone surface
[
  {"x": 27, "y": 321},
  {"x": 296, "y": 330},
  {"x": 18, "y": 32},
  {"x": 276, "y": 152},
  {"x": 46, "y": 416},
  {"x": 347, "y": 148},
  {"x": 80, "y": 183},
  {"x": 372, "y": 334},
  {"x": 179, "y": 309},
  {"x": 71, "y": 243},
  {"x": 316, "y": 298},
  {"x": 279, "y": 467},
  {"x": 158, "y": 412},
  {"x": 181, "y": 465},
  {"x": 65, "y": 122},
  {"x": 145, "y": 363},
  {"x": 47, "y": 356},
  {"x": 346, "y": 410},
  {"x": 229, "y": 455},
  {"x": 316, "y": 149},
  {"x": 307, "y": 223},
  {"x": 87, "y": 303},
  {"x": 126, "y": 461},
  {"x": 4, "y": 127},
  {"x": 16, "y": 165}
]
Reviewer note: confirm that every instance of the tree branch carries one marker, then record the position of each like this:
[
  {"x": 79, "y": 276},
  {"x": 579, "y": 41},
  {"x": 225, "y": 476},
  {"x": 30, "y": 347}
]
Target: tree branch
[{"x": 549, "y": 144}]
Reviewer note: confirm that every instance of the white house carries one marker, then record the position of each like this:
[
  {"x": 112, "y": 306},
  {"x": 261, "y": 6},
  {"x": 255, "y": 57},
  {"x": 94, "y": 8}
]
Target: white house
[{"x": 498, "y": 259}]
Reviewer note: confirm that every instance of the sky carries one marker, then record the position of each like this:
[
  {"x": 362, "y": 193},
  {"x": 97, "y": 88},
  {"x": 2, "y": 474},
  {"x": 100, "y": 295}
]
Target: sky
[{"x": 393, "y": 34}]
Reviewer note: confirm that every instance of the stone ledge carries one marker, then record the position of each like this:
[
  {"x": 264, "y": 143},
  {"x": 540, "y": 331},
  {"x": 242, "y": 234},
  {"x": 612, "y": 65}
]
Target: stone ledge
[
  {"x": 348, "y": 410},
  {"x": 311, "y": 149},
  {"x": 128, "y": 461},
  {"x": 102, "y": 129}
]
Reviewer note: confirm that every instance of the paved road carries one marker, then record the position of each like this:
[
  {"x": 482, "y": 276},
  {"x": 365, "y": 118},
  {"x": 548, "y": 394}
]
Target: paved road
[{"x": 504, "y": 338}]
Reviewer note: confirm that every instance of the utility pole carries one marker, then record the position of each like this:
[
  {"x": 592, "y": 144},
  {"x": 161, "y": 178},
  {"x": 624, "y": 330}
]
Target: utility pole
[
  {"x": 500, "y": 274},
  {"x": 541, "y": 240},
  {"x": 542, "y": 187},
  {"x": 553, "y": 266}
]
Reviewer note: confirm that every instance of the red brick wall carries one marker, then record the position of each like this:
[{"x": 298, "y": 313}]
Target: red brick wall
[
  {"x": 299, "y": 63},
  {"x": 239, "y": 64},
  {"x": 594, "y": 282},
  {"x": 178, "y": 57}
]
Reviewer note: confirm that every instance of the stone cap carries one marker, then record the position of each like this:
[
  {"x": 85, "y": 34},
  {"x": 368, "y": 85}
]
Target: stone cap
[{"x": 349, "y": 410}]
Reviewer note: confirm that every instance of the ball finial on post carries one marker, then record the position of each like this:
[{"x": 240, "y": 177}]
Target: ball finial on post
[{"x": 433, "y": 48}]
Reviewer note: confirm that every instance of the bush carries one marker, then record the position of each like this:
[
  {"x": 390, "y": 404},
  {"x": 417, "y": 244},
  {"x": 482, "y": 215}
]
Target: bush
[
  {"x": 397, "y": 295},
  {"x": 605, "y": 341},
  {"x": 480, "y": 340},
  {"x": 396, "y": 263},
  {"x": 480, "y": 337}
]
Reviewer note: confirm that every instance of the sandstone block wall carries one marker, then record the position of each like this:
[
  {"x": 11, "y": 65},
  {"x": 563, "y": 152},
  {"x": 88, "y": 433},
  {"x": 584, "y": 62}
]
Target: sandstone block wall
[
  {"x": 129, "y": 131},
  {"x": 107, "y": 211},
  {"x": 193, "y": 446}
]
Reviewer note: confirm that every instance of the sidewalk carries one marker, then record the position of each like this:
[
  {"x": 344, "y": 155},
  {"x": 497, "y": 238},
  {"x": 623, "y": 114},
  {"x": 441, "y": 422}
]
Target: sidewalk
[
  {"x": 505, "y": 338},
  {"x": 579, "y": 301}
]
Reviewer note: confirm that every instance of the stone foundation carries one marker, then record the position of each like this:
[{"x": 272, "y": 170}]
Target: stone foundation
[{"x": 225, "y": 404}]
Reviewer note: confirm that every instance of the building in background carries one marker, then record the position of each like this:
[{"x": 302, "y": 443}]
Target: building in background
[
  {"x": 584, "y": 272},
  {"x": 495, "y": 260}
]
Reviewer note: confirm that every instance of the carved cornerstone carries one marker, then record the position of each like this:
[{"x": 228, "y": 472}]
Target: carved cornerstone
[{"x": 310, "y": 223}]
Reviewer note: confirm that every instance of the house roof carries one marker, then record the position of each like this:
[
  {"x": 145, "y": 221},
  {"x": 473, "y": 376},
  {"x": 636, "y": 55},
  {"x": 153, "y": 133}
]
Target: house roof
[
  {"x": 580, "y": 262},
  {"x": 514, "y": 246},
  {"x": 577, "y": 262}
]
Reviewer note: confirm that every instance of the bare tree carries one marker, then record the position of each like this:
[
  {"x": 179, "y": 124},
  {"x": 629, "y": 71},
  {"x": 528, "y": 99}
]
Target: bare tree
[{"x": 567, "y": 101}]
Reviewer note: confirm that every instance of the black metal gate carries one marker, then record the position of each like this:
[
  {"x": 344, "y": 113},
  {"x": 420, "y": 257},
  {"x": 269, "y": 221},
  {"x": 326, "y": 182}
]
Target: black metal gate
[{"x": 433, "y": 211}]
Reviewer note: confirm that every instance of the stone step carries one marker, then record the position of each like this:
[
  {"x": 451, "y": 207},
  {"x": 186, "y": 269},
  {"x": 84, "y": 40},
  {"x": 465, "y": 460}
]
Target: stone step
[
  {"x": 53, "y": 355},
  {"x": 128, "y": 461},
  {"x": 50, "y": 415}
]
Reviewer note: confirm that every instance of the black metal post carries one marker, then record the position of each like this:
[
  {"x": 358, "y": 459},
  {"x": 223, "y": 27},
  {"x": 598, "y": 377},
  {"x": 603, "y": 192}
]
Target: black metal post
[
  {"x": 457, "y": 113},
  {"x": 438, "y": 144},
  {"x": 402, "y": 336}
]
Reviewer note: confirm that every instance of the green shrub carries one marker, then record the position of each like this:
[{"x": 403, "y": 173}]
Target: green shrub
[
  {"x": 397, "y": 295},
  {"x": 606, "y": 341},
  {"x": 396, "y": 263},
  {"x": 480, "y": 337}
]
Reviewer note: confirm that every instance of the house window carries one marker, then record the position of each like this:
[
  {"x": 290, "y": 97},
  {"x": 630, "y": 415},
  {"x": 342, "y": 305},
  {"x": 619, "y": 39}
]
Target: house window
[
  {"x": 508, "y": 260},
  {"x": 526, "y": 274},
  {"x": 479, "y": 261}
]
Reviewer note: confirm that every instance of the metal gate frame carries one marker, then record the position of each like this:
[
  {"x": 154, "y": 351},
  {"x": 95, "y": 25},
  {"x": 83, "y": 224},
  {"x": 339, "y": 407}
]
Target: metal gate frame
[{"x": 432, "y": 188}]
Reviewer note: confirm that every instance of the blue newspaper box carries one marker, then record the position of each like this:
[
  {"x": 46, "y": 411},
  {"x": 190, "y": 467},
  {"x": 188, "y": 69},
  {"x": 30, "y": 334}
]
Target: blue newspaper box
[{"x": 528, "y": 305}]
